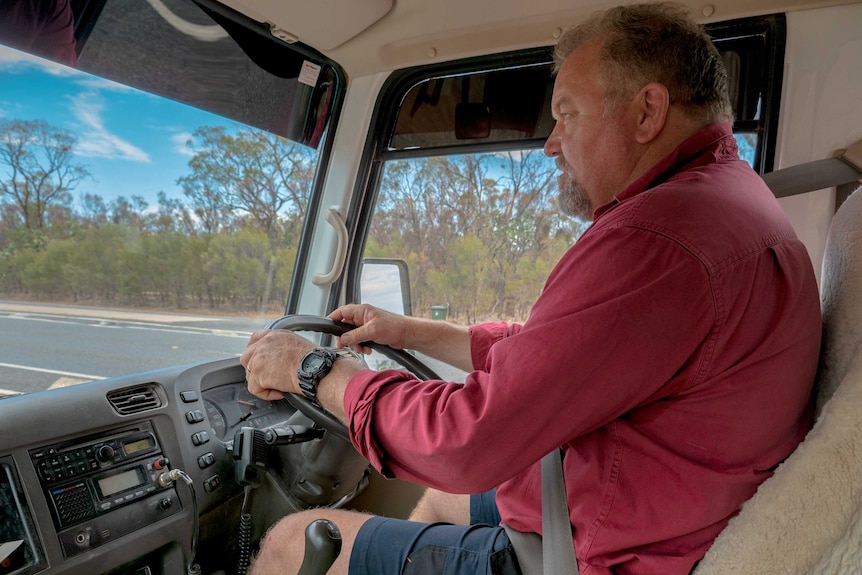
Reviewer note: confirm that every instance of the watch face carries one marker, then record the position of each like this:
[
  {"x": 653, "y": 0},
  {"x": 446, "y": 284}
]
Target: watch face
[{"x": 312, "y": 362}]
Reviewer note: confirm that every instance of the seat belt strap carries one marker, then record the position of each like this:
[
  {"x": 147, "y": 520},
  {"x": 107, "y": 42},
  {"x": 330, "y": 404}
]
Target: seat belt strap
[
  {"x": 558, "y": 551},
  {"x": 846, "y": 167}
]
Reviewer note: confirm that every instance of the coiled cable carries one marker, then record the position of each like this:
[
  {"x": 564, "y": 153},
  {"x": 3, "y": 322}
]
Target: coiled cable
[{"x": 244, "y": 543}]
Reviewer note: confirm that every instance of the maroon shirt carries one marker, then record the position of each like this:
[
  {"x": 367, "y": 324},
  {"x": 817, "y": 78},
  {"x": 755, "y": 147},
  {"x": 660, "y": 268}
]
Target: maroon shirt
[
  {"x": 44, "y": 27},
  {"x": 671, "y": 354}
]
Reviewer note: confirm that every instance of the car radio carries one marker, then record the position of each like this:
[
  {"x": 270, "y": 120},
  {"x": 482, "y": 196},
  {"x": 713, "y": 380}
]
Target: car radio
[{"x": 105, "y": 486}]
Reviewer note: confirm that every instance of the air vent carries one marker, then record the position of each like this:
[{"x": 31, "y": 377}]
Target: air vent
[{"x": 135, "y": 399}]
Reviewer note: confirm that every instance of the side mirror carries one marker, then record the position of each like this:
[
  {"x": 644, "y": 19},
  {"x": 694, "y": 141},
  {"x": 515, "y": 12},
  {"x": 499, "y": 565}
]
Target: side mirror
[{"x": 385, "y": 283}]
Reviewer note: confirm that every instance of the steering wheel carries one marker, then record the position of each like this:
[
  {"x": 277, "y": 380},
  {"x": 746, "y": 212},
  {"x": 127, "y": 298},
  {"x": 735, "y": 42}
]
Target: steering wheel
[{"x": 319, "y": 324}]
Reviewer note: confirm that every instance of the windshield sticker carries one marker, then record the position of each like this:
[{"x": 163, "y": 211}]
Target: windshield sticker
[{"x": 310, "y": 72}]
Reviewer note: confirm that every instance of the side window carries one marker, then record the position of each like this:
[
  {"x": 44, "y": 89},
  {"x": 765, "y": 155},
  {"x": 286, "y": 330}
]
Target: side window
[{"x": 480, "y": 232}]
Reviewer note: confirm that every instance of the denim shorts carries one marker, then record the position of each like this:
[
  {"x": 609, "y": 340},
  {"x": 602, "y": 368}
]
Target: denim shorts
[{"x": 386, "y": 546}]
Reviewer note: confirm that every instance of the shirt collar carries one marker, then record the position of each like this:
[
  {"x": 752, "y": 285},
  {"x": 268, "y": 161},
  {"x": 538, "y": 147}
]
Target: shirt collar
[{"x": 711, "y": 143}]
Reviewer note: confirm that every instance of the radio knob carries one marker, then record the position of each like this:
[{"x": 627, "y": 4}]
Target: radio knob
[
  {"x": 165, "y": 504},
  {"x": 105, "y": 454}
]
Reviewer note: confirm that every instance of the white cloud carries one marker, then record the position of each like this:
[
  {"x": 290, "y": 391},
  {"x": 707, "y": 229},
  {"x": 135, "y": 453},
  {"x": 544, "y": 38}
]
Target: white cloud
[
  {"x": 96, "y": 83},
  {"x": 179, "y": 140},
  {"x": 516, "y": 155},
  {"x": 94, "y": 139}
]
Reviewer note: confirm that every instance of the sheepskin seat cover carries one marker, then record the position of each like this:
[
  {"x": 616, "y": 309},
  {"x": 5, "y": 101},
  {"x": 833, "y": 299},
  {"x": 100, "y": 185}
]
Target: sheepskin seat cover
[{"x": 807, "y": 519}]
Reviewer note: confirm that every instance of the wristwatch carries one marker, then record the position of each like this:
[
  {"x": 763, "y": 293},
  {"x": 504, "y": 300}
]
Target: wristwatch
[{"x": 315, "y": 365}]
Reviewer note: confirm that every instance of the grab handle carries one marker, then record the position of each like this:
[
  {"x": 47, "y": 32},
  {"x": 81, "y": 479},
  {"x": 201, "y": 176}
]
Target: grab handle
[{"x": 337, "y": 222}]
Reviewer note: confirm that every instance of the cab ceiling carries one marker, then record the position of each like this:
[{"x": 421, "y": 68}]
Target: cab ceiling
[{"x": 369, "y": 36}]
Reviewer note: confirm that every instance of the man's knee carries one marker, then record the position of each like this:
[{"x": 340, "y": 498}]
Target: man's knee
[
  {"x": 436, "y": 506},
  {"x": 283, "y": 547}
]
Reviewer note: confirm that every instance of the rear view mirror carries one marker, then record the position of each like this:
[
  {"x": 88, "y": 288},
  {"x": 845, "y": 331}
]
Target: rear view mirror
[{"x": 385, "y": 283}]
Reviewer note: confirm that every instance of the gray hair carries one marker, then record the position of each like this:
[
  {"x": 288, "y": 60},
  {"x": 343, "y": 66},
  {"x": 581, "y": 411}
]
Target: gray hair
[{"x": 654, "y": 42}]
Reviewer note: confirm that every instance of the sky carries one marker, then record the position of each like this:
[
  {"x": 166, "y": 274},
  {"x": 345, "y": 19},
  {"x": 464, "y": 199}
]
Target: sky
[{"x": 132, "y": 143}]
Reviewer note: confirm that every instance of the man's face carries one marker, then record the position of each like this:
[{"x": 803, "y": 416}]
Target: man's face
[{"x": 591, "y": 147}]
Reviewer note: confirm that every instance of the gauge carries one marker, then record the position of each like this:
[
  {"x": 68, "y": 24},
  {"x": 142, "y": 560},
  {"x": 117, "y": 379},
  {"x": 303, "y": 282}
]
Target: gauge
[
  {"x": 267, "y": 419},
  {"x": 216, "y": 418},
  {"x": 249, "y": 405}
]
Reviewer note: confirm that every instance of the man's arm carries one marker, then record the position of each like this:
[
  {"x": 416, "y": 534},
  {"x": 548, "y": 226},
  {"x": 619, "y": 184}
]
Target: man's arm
[{"x": 272, "y": 357}]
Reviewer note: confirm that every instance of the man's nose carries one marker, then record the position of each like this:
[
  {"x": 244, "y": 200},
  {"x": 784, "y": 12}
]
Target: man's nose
[{"x": 552, "y": 144}]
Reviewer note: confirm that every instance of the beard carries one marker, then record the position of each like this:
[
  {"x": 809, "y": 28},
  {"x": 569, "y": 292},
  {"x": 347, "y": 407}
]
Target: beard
[{"x": 573, "y": 200}]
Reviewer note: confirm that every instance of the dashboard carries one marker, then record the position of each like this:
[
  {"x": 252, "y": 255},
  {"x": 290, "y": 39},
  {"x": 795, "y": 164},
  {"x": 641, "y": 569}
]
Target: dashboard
[
  {"x": 137, "y": 475},
  {"x": 82, "y": 470}
]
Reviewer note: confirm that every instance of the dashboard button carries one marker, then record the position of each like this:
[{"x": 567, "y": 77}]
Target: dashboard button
[
  {"x": 189, "y": 396},
  {"x": 200, "y": 437},
  {"x": 206, "y": 460},
  {"x": 195, "y": 416},
  {"x": 212, "y": 483}
]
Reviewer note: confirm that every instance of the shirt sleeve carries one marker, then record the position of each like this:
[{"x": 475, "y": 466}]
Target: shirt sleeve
[
  {"x": 621, "y": 314},
  {"x": 484, "y": 336}
]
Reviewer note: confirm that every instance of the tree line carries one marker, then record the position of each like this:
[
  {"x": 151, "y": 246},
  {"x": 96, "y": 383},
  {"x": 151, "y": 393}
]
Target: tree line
[{"x": 480, "y": 232}]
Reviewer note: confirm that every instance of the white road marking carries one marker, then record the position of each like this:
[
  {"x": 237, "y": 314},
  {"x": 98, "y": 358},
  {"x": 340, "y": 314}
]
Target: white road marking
[
  {"x": 144, "y": 326},
  {"x": 53, "y": 371}
]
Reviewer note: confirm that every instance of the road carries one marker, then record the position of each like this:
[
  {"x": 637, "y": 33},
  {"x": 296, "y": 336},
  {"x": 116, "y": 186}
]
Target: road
[{"x": 45, "y": 346}]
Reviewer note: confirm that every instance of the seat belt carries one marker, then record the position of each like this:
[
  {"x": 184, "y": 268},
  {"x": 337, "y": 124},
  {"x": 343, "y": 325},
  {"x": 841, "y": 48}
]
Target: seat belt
[
  {"x": 844, "y": 168},
  {"x": 558, "y": 552}
]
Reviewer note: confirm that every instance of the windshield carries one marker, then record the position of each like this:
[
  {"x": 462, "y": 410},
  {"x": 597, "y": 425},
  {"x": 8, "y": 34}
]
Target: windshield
[{"x": 138, "y": 232}]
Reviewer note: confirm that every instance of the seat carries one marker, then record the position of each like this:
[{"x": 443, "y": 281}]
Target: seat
[{"x": 807, "y": 518}]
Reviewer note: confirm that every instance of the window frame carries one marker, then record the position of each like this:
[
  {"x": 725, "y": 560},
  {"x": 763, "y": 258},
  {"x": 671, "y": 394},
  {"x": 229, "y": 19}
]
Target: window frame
[{"x": 771, "y": 31}]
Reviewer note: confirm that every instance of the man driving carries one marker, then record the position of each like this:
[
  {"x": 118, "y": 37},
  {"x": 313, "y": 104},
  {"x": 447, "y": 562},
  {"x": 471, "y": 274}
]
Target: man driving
[{"x": 670, "y": 355}]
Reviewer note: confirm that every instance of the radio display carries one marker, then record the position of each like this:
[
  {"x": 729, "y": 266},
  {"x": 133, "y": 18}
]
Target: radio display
[
  {"x": 139, "y": 445},
  {"x": 121, "y": 481}
]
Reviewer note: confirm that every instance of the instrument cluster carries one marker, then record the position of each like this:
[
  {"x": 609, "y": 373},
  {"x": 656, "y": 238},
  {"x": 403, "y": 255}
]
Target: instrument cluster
[{"x": 230, "y": 407}]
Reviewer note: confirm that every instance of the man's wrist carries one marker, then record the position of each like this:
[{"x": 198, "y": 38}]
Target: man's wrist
[
  {"x": 331, "y": 390},
  {"x": 317, "y": 365}
]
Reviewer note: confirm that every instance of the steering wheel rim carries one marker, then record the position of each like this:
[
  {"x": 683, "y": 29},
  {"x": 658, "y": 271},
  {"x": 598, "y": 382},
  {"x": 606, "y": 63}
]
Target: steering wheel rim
[{"x": 305, "y": 322}]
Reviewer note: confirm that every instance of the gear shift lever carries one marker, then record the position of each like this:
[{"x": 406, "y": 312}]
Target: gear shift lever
[{"x": 322, "y": 546}]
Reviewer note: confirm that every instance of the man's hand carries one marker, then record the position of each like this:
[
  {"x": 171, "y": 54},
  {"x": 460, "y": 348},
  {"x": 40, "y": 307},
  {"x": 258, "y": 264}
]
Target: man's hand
[
  {"x": 271, "y": 359},
  {"x": 372, "y": 324},
  {"x": 439, "y": 339}
]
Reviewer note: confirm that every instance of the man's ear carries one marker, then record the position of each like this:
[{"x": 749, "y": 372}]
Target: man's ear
[{"x": 652, "y": 103}]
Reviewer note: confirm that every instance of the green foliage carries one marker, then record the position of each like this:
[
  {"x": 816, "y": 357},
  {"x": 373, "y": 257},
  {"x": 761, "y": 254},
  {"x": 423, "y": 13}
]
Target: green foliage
[
  {"x": 465, "y": 284},
  {"x": 236, "y": 267},
  {"x": 114, "y": 263}
]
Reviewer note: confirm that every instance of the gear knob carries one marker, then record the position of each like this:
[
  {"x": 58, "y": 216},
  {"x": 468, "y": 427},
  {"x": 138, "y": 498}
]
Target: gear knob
[{"x": 322, "y": 546}]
